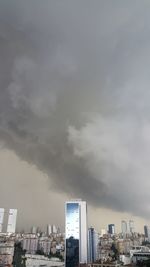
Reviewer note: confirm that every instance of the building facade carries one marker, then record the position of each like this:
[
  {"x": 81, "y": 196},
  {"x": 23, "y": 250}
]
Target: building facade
[
  {"x": 147, "y": 232},
  {"x": 11, "y": 226},
  {"x": 49, "y": 230},
  {"x": 76, "y": 233},
  {"x": 124, "y": 228},
  {"x": 30, "y": 244},
  {"x": 1, "y": 219},
  {"x": 111, "y": 229},
  {"x": 92, "y": 245},
  {"x": 131, "y": 227}
]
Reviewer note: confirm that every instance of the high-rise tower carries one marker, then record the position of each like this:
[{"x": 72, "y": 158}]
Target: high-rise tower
[
  {"x": 124, "y": 228},
  {"x": 111, "y": 229},
  {"x": 76, "y": 233},
  {"x": 131, "y": 226},
  {"x": 92, "y": 245},
  {"x": 147, "y": 232},
  {"x": 11, "y": 226},
  {"x": 1, "y": 218}
]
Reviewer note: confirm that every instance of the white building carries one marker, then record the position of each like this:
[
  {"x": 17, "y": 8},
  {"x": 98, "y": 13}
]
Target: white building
[
  {"x": 131, "y": 227},
  {"x": 26, "y": 244},
  {"x": 76, "y": 232},
  {"x": 1, "y": 219},
  {"x": 39, "y": 260},
  {"x": 49, "y": 230},
  {"x": 11, "y": 226},
  {"x": 30, "y": 244},
  {"x": 54, "y": 229},
  {"x": 124, "y": 228}
]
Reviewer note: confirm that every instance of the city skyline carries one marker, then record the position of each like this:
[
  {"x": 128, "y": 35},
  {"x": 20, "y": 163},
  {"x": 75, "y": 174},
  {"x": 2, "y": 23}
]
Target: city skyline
[
  {"x": 74, "y": 110},
  {"x": 8, "y": 220}
]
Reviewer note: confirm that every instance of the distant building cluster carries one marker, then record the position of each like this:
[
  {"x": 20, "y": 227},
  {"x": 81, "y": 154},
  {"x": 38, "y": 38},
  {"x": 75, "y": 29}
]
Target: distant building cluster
[
  {"x": 86, "y": 246},
  {"x": 43, "y": 244},
  {"x": 127, "y": 228},
  {"x": 50, "y": 244}
]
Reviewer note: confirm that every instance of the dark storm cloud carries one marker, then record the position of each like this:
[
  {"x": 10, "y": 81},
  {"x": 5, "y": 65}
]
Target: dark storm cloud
[{"x": 74, "y": 96}]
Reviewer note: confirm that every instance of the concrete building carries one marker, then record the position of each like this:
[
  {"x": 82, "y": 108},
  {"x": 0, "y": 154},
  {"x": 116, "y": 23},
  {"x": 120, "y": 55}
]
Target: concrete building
[
  {"x": 26, "y": 244},
  {"x": 6, "y": 253},
  {"x": 111, "y": 229},
  {"x": 44, "y": 245},
  {"x": 12, "y": 217},
  {"x": 92, "y": 245},
  {"x": 33, "y": 245},
  {"x": 30, "y": 244},
  {"x": 76, "y": 233},
  {"x": 1, "y": 219}
]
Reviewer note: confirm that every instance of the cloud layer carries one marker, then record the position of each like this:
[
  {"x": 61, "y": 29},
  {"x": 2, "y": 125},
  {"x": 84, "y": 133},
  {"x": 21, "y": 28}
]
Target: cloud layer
[{"x": 74, "y": 96}]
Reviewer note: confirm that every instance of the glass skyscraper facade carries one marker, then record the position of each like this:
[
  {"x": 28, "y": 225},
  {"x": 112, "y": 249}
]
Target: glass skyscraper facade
[
  {"x": 111, "y": 229},
  {"x": 92, "y": 245},
  {"x": 76, "y": 233}
]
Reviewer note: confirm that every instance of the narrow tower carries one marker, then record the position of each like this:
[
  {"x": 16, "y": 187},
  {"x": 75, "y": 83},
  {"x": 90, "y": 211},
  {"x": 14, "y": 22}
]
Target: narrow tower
[
  {"x": 76, "y": 233},
  {"x": 1, "y": 219},
  {"x": 11, "y": 226}
]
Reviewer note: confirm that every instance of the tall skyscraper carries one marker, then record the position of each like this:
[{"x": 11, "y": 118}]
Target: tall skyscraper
[
  {"x": 11, "y": 226},
  {"x": 124, "y": 228},
  {"x": 76, "y": 233},
  {"x": 49, "y": 230},
  {"x": 111, "y": 229},
  {"x": 92, "y": 245},
  {"x": 147, "y": 232},
  {"x": 131, "y": 226},
  {"x": 1, "y": 219}
]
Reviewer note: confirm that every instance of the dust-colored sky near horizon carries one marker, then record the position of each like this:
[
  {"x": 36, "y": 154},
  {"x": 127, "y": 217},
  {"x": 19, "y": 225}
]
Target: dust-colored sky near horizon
[
  {"x": 24, "y": 187},
  {"x": 74, "y": 109}
]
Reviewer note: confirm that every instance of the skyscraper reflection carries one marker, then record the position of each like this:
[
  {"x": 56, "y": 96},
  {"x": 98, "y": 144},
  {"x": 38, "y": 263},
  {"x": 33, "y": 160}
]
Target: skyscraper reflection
[{"x": 76, "y": 233}]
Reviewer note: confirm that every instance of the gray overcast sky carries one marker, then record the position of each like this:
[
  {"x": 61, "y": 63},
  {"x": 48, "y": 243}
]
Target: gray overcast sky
[{"x": 74, "y": 108}]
